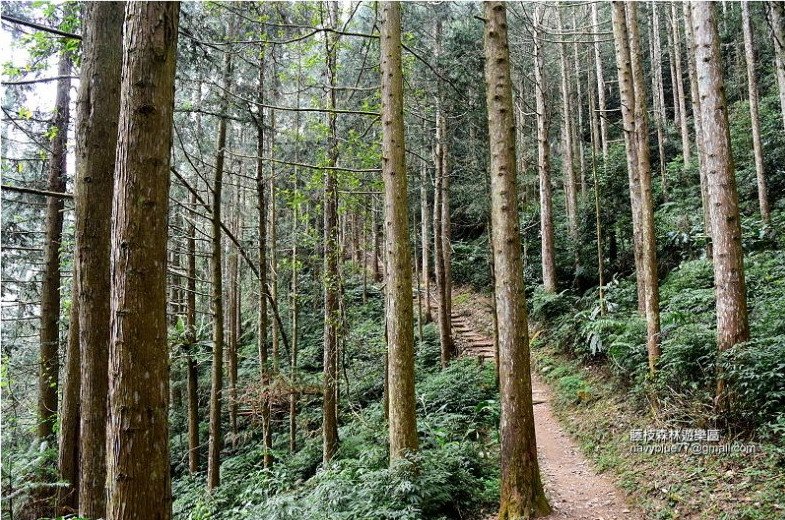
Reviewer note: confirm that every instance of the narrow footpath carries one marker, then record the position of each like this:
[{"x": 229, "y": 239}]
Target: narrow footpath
[{"x": 575, "y": 490}]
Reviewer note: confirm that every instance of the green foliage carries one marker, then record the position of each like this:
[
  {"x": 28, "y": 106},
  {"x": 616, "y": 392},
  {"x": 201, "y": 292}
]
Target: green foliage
[
  {"x": 755, "y": 371},
  {"x": 470, "y": 264},
  {"x": 454, "y": 473}
]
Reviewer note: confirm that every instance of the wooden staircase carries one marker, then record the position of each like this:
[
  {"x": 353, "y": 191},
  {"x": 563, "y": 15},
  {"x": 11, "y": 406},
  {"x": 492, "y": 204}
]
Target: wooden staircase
[{"x": 468, "y": 342}]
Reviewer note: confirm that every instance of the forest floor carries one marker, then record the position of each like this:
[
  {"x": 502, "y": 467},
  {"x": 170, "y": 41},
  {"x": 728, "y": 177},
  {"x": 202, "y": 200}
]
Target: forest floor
[
  {"x": 576, "y": 491},
  {"x": 588, "y": 469}
]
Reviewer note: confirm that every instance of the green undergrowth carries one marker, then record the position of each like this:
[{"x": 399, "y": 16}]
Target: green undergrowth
[
  {"x": 664, "y": 486},
  {"x": 454, "y": 475},
  {"x": 597, "y": 365}
]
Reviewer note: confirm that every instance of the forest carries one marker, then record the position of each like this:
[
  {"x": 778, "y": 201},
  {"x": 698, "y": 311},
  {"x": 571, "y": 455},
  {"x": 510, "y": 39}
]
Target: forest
[{"x": 392, "y": 260}]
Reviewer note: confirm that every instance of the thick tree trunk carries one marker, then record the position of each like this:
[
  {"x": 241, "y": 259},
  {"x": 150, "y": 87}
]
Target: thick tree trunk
[
  {"x": 50, "y": 288},
  {"x": 777, "y": 22},
  {"x": 752, "y": 89},
  {"x": 697, "y": 118},
  {"x": 138, "y": 479},
  {"x": 732, "y": 324},
  {"x": 522, "y": 494},
  {"x": 216, "y": 294},
  {"x": 398, "y": 257},
  {"x": 83, "y": 425},
  {"x": 650, "y": 275},
  {"x": 543, "y": 161},
  {"x": 627, "y": 98},
  {"x": 331, "y": 258},
  {"x": 570, "y": 190}
]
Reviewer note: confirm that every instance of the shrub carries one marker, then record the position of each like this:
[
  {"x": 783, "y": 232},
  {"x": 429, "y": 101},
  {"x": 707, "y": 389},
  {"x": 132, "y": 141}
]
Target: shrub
[{"x": 755, "y": 372}]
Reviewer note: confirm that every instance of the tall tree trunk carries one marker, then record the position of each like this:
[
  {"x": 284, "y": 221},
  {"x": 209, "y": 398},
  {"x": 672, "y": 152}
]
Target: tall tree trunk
[
  {"x": 50, "y": 288},
  {"x": 732, "y": 324},
  {"x": 446, "y": 233},
  {"x": 68, "y": 436},
  {"x": 83, "y": 423},
  {"x": 98, "y": 107},
  {"x": 570, "y": 191},
  {"x": 190, "y": 324},
  {"x": 331, "y": 257},
  {"x": 522, "y": 493},
  {"x": 424, "y": 231},
  {"x": 650, "y": 275},
  {"x": 231, "y": 321},
  {"x": 697, "y": 123},
  {"x": 543, "y": 161},
  {"x": 439, "y": 213},
  {"x": 598, "y": 223},
  {"x": 216, "y": 294},
  {"x": 658, "y": 92},
  {"x": 138, "y": 478},
  {"x": 579, "y": 109},
  {"x": 776, "y": 12},
  {"x": 752, "y": 89},
  {"x": 601, "y": 105},
  {"x": 262, "y": 319},
  {"x": 272, "y": 245},
  {"x": 627, "y": 97},
  {"x": 679, "y": 81},
  {"x": 293, "y": 395},
  {"x": 398, "y": 257},
  {"x": 438, "y": 264}
]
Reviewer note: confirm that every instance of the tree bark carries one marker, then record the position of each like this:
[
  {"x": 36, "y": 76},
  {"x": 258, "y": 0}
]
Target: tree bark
[
  {"x": 601, "y": 105},
  {"x": 522, "y": 494},
  {"x": 262, "y": 319},
  {"x": 732, "y": 324},
  {"x": 579, "y": 109},
  {"x": 439, "y": 193},
  {"x": 679, "y": 83},
  {"x": 216, "y": 294},
  {"x": 193, "y": 372},
  {"x": 446, "y": 233},
  {"x": 697, "y": 123},
  {"x": 232, "y": 310},
  {"x": 50, "y": 288},
  {"x": 658, "y": 92},
  {"x": 570, "y": 191},
  {"x": 650, "y": 275},
  {"x": 752, "y": 89},
  {"x": 627, "y": 97},
  {"x": 425, "y": 225},
  {"x": 543, "y": 161},
  {"x": 331, "y": 257},
  {"x": 138, "y": 479},
  {"x": 398, "y": 257},
  {"x": 98, "y": 106},
  {"x": 68, "y": 436},
  {"x": 777, "y": 21}
]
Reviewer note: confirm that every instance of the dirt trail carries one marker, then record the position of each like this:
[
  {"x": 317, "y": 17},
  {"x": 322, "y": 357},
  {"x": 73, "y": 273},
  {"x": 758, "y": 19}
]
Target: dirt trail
[{"x": 575, "y": 490}]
